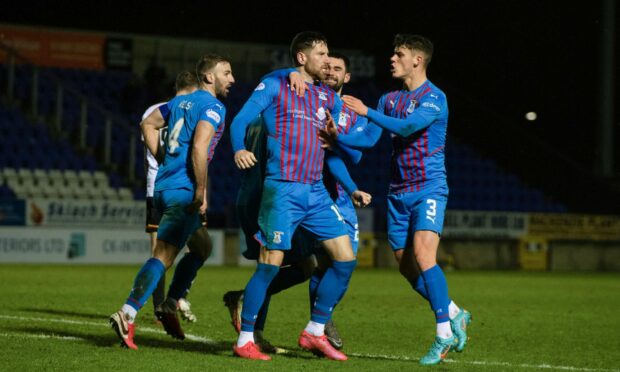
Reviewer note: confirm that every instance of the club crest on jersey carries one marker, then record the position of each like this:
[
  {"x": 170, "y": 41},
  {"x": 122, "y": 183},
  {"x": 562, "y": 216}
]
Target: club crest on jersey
[
  {"x": 343, "y": 119},
  {"x": 214, "y": 115},
  {"x": 260, "y": 86},
  {"x": 411, "y": 107},
  {"x": 277, "y": 237},
  {"x": 322, "y": 96},
  {"x": 320, "y": 113}
]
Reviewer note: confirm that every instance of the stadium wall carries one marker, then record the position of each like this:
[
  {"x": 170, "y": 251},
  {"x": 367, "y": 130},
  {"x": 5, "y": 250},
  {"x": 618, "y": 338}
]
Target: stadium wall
[
  {"x": 67, "y": 48},
  {"x": 100, "y": 231}
]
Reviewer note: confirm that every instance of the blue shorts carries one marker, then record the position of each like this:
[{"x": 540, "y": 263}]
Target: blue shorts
[
  {"x": 347, "y": 210},
  {"x": 287, "y": 205},
  {"x": 303, "y": 243},
  {"x": 409, "y": 212},
  {"x": 176, "y": 224}
]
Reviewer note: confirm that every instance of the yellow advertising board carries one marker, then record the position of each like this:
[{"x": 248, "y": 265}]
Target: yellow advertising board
[{"x": 574, "y": 226}]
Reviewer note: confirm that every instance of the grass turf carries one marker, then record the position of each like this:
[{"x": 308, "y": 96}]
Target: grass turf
[{"x": 55, "y": 318}]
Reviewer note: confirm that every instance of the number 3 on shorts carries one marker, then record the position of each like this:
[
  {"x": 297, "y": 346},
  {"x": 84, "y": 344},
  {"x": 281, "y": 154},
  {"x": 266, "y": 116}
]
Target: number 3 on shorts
[{"x": 431, "y": 212}]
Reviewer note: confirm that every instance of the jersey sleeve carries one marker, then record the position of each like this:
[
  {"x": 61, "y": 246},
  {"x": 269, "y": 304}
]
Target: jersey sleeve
[
  {"x": 431, "y": 108},
  {"x": 165, "y": 109},
  {"x": 364, "y": 134},
  {"x": 339, "y": 170},
  {"x": 260, "y": 99},
  {"x": 214, "y": 113}
]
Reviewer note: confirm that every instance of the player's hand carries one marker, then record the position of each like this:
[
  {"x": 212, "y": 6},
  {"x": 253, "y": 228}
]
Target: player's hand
[
  {"x": 195, "y": 205},
  {"x": 328, "y": 134},
  {"x": 203, "y": 207},
  {"x": 355, "y": 105},
  {"x": 244, "y": 159},
  {"x": 360, "y": 198},
  {"x": 203, "y": 219},
  {"x": 297, "y": 83}
]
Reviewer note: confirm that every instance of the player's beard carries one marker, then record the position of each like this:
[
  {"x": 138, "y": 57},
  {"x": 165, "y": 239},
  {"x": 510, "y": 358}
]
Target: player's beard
[
  {"x": 333, "y": 83},
  {"x": 318, "y": 73},
  {"x": 221, "y": 89}
]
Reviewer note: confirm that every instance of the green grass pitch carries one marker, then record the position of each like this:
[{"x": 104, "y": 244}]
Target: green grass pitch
[{"x": 55, "y": 318}]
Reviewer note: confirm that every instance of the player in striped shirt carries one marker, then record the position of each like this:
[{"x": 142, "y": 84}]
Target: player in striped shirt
[
  {"x": 293, "y": 193},
  {"x": 193, "y": 121},
  {"x": 417, "y": 118},
  {"x": 298, "y": 265}
]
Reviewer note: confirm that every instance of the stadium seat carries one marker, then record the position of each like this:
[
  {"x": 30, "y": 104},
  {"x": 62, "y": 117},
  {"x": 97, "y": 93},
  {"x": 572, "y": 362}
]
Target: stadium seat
[
  {"x": 125, "y": 194},
  {"x": 9, "y": 173},
  {"x": 71, "y": 178},
  {"x": 109, "y": 193},
  {"x": 100, "y": 178}
]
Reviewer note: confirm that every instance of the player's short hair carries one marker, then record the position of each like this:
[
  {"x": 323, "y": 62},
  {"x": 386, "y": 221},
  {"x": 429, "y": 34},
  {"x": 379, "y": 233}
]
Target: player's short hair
[
  {"x": 185, "y": 80},
  {"x": 305, "y": 40},
  {"x": 345, "y": 59},
  {"x": 207, "y": 63},
  {"x": 415, "y": 42}
]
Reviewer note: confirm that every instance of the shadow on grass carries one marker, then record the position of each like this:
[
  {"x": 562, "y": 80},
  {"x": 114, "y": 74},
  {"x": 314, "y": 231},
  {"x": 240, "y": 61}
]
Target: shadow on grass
[
  {"x": 146, "y": 340},
  {"x": 65, "y": 313}
]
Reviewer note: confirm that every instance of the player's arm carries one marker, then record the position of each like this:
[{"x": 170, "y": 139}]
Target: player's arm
[
  {"x": 339, "y": 170},
  {"x": 428, "y": 111},
  {"x": 297, "y": 82},
  {"x": 363, "y": 135},
  {"x": 200, "y": 151},
  {"x": 205, "y": 196},
  {"x": 150, "y": 127},
  {"x": 262, "y": 97},
  {"x": 345, "y": 152}
]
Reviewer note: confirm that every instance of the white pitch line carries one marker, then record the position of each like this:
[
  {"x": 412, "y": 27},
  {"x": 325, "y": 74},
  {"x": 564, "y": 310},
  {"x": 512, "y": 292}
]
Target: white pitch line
[
  {"x": 490, "y": 364},
  {"x": 209, "y": 341},
  {"x": 44, "y": 336}
]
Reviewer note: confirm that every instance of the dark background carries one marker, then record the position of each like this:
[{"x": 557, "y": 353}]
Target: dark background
[{"x": 495, "y": 60}]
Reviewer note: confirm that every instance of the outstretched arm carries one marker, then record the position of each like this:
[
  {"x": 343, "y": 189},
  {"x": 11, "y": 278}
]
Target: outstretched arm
[
  {"x": 296, "y": 81},
  {"x": 362, "y": 136},
  {"x": 416, "y": 121}
]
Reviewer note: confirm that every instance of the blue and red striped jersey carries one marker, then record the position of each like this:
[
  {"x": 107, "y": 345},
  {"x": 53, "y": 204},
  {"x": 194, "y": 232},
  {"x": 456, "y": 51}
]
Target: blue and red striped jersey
[
  {"x": 292, "y": 124},
  {"x": 419, "y": 157}
]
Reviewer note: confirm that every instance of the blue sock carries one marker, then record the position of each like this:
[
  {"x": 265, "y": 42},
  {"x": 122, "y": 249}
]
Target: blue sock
[
  {"x": 286, "y": 278},
  {"x": 254, "y": 294},
  {"x": 262, "y": 314},
  {"x": 184, "y": 275},
  {"x": 437, "y": 289},
  {"x": 418, "y": 285},
  {"x": 315, "y": 280},
  {"x": 145, "y": 282},
  {"x": 331, "y": 289}
]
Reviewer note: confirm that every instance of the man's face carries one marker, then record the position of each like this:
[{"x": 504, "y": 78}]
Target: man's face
[
  {"x": 336, "y": 75},
  {"x": 403, "y": 62},
  {"x": 223, "y": 78},
  {"x": 317, "y": 61}
]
